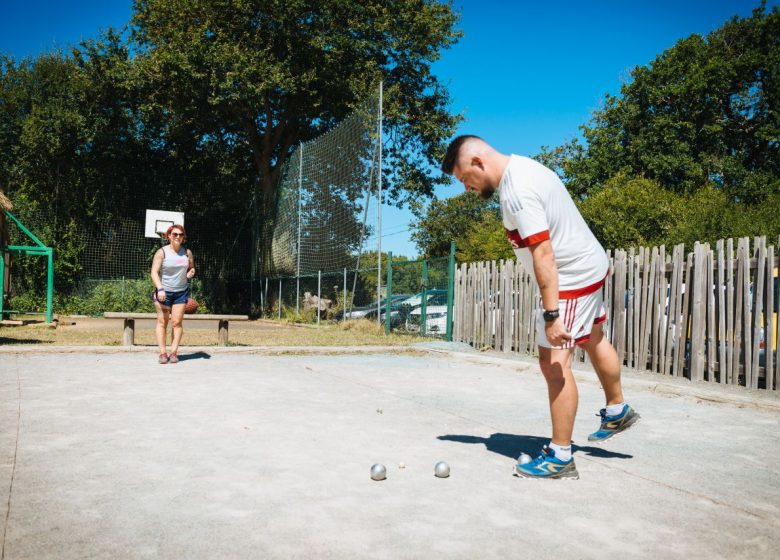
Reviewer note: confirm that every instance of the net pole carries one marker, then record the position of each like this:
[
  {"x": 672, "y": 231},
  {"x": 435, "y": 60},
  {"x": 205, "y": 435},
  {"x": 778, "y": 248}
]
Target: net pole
[
  {"x": 319, "y": 295},
  {"x": 280, "y": 299},
  {"x": 344, "y": 301},
  {"x": 300, "y": 204},
  {"x": 379, "y": 214}
]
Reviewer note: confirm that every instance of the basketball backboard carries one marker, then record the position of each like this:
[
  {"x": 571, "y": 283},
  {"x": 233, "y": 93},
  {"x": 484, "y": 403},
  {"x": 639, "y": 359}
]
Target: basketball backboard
[{"x": 158, "y": 222}]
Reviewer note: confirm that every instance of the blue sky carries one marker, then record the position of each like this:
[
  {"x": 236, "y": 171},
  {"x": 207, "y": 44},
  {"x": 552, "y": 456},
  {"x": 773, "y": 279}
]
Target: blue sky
[{"x": 525, "y": 74}]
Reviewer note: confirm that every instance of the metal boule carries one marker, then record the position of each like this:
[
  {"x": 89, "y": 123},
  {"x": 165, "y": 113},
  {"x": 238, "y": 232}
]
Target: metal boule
[
  {"x": 441, "y": 470},
  {"x": 524, "y": 458},
  {"x": 378, "y": 472}
]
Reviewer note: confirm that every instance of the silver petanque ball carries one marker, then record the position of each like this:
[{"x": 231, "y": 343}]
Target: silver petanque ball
[
  {"x": 378, "y": 472},
  {"x": 524, "y": 458},
  {"x": 442, "y": 469}
]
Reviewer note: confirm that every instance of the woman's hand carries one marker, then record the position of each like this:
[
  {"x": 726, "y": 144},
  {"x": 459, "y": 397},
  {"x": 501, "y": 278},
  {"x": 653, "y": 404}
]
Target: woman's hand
[{"x": 161, "y": 295}]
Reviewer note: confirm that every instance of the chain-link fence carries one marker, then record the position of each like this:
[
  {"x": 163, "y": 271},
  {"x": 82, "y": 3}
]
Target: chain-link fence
[{"x": 417, "y": 297}]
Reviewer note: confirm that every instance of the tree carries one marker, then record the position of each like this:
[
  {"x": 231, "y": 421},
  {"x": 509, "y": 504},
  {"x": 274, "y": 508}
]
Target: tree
[
  {"x": 447, "y": 220},
  {"x": 704, "y": 111},
  {"x": 485, "y": 240},
  {"x": 264, "y": 75},
  {"x": 631, "y": 212}
]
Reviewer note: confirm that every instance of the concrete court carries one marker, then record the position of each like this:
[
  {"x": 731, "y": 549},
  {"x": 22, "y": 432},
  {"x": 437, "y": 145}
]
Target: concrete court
[{"x": 246, "y": 454}]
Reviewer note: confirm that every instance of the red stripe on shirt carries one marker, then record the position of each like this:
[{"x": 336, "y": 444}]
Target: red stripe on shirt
[{"x": 519, "y": 242}]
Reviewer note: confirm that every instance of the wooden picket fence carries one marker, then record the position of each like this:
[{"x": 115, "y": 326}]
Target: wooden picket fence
[{"x": 708, "y": 315}]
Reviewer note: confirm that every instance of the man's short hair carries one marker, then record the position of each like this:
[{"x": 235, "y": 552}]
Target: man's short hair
[{"x": 453, "y": 151}]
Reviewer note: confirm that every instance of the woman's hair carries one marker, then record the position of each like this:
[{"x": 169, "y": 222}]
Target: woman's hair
[{"x": 173, "y": 227}]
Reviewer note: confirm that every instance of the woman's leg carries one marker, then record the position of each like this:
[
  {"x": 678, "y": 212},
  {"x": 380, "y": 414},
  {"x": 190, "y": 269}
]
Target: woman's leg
[
  {"x": 177, "y": 322},
  {"x": 163, "y": 314}
]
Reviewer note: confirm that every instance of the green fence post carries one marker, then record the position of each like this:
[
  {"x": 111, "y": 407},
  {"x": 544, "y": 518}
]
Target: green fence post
[
  {"x": 2, "y": 283},
  {"x": 49, "y": 284},
  {"x": 450, "y": 291},
  {"x": 424, "y": 301},
  {"x": 388, "y": 301}
]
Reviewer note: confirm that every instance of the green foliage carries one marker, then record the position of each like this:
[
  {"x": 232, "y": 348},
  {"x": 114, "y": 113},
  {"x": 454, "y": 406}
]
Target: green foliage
[
  {"x": 266, "y": 75},
  {"x": 631, "y": 212},
  {"x": 689, "y": 150},
  {"x": 704, "y": 111},
  {"x": 95, "y": 297},
  {"x": 449, "y": 220},
  {"x": 220, "y": 91},
  {"x": 485, "y": 240}
]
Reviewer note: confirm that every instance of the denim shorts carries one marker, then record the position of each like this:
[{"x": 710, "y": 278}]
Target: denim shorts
[{"x": 173, "y": 298}]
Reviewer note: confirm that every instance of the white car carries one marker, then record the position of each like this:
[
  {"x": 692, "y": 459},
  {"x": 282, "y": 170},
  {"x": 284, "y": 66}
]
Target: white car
[{"x": 435, "y": 319}]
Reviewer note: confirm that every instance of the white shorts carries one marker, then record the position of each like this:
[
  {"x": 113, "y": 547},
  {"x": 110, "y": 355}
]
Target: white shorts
[{"x": 578, "y": 316}]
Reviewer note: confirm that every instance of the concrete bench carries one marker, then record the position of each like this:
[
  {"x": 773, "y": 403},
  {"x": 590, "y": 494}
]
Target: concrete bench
[{"x": 129, "y": 323}]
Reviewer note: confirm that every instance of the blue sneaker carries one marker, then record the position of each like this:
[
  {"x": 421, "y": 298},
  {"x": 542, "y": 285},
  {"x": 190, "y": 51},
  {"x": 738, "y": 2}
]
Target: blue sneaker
[
  {"x": 546, "y": 465},
  {"x": 611, "y": 425}
]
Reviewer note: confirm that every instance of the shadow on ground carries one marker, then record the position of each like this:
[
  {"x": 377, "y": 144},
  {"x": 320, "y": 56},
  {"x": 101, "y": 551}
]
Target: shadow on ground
[
  {"x": 4, "y": 340},
  {"x": 511, "y": 445},
  {"x": 194, "y": 356}
]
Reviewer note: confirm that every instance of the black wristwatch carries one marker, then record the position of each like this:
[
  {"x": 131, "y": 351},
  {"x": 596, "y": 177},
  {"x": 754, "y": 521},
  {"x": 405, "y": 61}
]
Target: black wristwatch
[{"x": 550, "y": 316}]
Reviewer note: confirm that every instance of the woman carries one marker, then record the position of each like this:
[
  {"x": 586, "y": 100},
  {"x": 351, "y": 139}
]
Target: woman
[{"x": 172, "y": 267}]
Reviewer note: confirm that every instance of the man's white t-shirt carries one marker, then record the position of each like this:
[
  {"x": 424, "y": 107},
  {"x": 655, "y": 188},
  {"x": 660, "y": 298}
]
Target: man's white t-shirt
[{"x": 535, "y": 206}]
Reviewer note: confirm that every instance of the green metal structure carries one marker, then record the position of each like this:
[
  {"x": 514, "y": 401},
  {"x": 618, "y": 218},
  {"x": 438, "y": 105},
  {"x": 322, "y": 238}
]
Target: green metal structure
[
  {"x": 426, "y": 286},
  {"x": 38, "y": 249}
]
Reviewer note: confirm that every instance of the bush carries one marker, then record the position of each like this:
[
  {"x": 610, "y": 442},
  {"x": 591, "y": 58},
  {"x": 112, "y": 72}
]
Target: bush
[{"x": 96, "y": 297}]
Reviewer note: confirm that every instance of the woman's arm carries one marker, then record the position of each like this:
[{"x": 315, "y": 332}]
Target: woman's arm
[
  {"x": 156, "y": 266},
  {"x": 191, "y": 268}
]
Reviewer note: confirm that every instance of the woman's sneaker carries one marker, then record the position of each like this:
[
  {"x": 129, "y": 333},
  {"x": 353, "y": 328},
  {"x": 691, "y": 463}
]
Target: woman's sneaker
[
  {"x": 611, "y": 425},
  {"x": 546, "y": 465}
]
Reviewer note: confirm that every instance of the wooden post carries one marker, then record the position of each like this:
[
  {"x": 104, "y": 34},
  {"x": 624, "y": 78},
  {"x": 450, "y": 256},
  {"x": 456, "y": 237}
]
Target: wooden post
[
  {"x": 729, "y": 311},
  {"x": 758, "y": 311},
  {"x": 697, "y": 313},
  {"x": 721, "y": 336},
  {"x": 769, "y": 347},
  {"x": 630, "y": 295},
  {"x": 682, "y": 331},
  {"x": 710, "y": 288},
  {"x": 128, "y": 336},
  {"x": 748, "y": 346},
  {"x": 223, "y": 333}
]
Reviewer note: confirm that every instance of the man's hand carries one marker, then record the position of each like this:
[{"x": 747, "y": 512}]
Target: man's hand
[{"x": 555, "y": 332}]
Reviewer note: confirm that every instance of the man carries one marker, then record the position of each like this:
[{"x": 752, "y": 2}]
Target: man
[{"x": 550, "y": 238}]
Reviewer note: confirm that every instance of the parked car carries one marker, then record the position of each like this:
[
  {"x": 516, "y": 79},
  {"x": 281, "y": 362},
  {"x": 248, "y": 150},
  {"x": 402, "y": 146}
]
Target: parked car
[
  {"x": 435, "y": 312},
  {"x": 368, "y": 311},
  {"x": 398, "y": 310},
  {"x": 435, "y": 319}
]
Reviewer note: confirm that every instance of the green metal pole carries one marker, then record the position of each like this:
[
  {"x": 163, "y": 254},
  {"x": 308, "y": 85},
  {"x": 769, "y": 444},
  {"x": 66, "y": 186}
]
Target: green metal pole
[
  {"x": 450, "y": 291},
  {"x": 388, "y": 302},
  {"x": 424, "y": 302},
  {"x": 2, "y": 282},
  {"x": 49, "y": 284}
]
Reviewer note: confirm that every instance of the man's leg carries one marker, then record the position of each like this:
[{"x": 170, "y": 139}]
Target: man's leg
[
  {"x": 616, "y": 416},
  {"x": 561, "y": 390},
  {"x": 606, "y": 363},
  {"x": 555, "y": 460}
]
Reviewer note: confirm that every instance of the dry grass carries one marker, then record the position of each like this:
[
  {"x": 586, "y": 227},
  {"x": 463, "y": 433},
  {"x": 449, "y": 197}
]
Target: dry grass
[{"x": 108, "y": 332}]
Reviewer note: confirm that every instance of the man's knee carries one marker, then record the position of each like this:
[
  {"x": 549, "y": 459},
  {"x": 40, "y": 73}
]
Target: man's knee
[{"x": 553, "y": 363}]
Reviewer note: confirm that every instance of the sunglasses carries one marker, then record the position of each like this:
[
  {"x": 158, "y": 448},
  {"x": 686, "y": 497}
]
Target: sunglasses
[{"x": 177, "y": 235}]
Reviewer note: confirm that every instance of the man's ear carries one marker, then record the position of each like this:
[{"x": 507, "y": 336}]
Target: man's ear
[{"x": 476, "y": 161}]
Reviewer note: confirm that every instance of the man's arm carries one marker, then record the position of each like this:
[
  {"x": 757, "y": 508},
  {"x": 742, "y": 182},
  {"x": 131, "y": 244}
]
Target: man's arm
[{"x": 546, "y": 272}]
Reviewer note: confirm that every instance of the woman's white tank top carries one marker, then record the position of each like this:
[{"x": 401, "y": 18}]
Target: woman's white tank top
[{"x": 173, "y": 272}]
